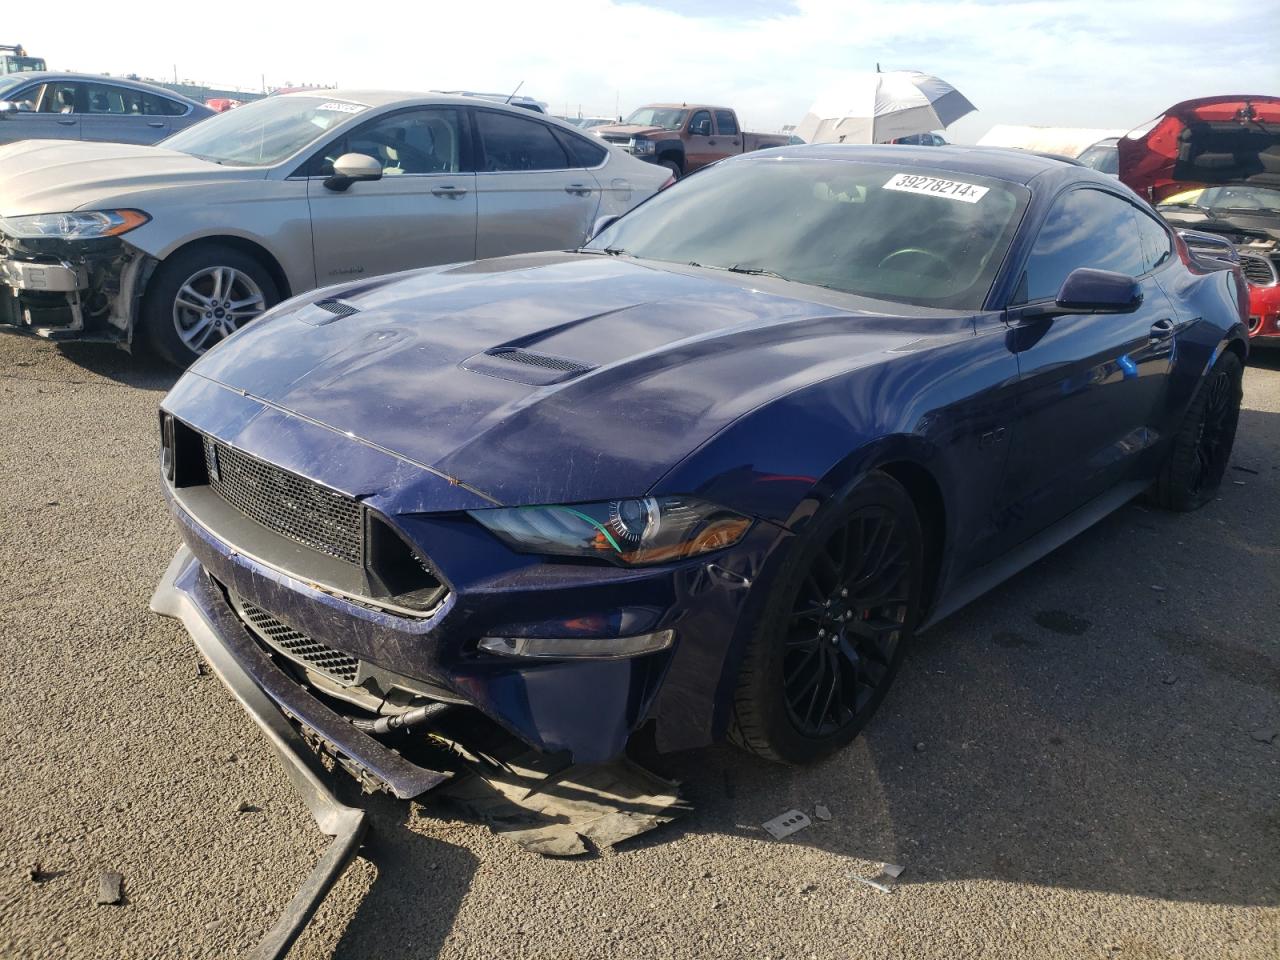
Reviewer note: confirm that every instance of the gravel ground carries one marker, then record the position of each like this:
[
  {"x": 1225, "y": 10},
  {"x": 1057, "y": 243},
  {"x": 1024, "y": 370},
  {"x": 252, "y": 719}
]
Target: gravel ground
[{"x": 1075, "y": 766}]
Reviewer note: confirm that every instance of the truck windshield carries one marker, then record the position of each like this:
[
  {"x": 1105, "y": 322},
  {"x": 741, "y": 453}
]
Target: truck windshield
[
  {"x": 921, "y": 236},
  {"x": 22, "y": 65},
  {"x": 264, "y": 132},
  {"x": 669, "y": 118}
]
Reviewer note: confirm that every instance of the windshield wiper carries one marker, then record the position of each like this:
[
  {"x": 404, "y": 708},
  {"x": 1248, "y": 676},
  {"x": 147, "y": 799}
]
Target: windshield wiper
[
  {"x": 605, "y": 251},
  {"x": 756, "y": 272},
  {"x": 1187, "y": 205}
]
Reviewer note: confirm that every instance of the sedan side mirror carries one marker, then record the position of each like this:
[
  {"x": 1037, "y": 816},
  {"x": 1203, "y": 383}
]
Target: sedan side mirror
[
  {"x": 351, "y": 168},
  {"x": 1099, "y": 291},
  {"x": 7, "y": 107}
]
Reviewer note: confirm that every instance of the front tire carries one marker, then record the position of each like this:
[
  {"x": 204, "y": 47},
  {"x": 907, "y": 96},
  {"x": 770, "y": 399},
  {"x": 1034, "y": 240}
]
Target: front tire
[
  {"x": 200, "y": 297},
  {"x": 835, "y": 628},
  {"x": 677, "y": 171},
  {"x": 1202, "y": 447}
]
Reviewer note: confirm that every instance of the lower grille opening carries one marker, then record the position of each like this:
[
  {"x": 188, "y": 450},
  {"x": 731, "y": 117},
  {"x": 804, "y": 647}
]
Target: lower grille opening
[{"x": 301, "y": 649}]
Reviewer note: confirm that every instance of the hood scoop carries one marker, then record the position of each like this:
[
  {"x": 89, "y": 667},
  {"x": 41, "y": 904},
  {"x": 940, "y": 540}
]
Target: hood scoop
[
  {"x": 525, "y": 366},
  {"x": 327, "y": 311}
]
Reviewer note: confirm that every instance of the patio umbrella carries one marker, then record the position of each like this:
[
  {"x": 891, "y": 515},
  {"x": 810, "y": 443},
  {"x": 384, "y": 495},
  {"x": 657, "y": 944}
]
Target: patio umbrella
[{"x": 878, "y": 107}]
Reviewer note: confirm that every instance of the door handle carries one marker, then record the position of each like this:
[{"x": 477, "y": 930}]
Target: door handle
[
  {"x": 449, "y": 191},
  {"x": 711, "y": 143},
  {"x": 578, "y": 189},
  {"x": 68, "y": 123},
  {"x": 1162, "y": 329},
  {"x": 155, "y": 123}
]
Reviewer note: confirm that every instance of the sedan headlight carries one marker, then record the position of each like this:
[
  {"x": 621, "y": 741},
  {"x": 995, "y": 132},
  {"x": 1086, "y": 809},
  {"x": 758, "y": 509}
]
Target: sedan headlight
[
  {"x": 642, "y": 147},
  {"x": 629, "y": 532},
  {"x": 87, "y": 225}
]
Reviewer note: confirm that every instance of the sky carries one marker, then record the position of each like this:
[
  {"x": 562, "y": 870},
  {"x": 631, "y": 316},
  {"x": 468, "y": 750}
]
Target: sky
[{"x": 1090, "y": 63}]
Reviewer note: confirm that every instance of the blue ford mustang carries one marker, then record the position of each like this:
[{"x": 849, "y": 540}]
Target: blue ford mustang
[{"x": 707, "y": 475}]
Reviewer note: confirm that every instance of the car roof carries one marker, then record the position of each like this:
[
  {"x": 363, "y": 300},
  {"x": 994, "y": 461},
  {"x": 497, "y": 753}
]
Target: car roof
[
  {"x": 386, "y": 98},
  {"x": 55, "y": 75},
  {"x": 1000, "y": 163}
]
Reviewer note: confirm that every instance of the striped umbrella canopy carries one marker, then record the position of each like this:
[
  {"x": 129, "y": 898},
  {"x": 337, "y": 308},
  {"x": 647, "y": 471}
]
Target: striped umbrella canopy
[{"x": 879, "y": 107}]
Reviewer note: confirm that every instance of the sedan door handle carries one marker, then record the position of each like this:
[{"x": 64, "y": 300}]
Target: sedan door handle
[
  {"x": 68, "y": 123},
  {"x": 711, "y": 143},
  {"x": 155, "y": 123},
  {"x": 449, "y": 191},
  {"x": 578, "y": 189},
  {"x": 1162, "y": 329}
]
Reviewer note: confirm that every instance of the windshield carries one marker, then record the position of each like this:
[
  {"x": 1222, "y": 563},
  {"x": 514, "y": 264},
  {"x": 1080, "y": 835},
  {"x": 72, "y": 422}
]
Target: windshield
[
  {"x": 1234, "y": 198},
  {"x": 927, "y": 237},
  {"x": 669, "y": 118},
  {"x": 1103, "y": 158},
  {"x": 264, "y": 132}
]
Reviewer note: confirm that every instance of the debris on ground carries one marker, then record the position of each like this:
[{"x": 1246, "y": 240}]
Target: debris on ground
[
  {"x": 885, "y": 880},
  {"x": 821, "y": 812},
  {"x": 1157, "y": 588},
  {"x": 201, "y": 669},
  {"x": 35, "y": 872},
  {"x": 557, "y": 809},
  {"x": 785, "y": 824},
  {"x": 247, "y": 807},
  {"x": 1264, "y": 736},
  {"x": 1236, "y": 466},
  {"x": 1168, "y": 679},
  {"x": 920, "y": 747},
  {"x": 110, "y": 888}
]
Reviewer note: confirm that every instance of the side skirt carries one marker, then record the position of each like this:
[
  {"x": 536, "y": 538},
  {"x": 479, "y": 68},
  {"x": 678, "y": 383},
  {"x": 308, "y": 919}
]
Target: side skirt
[{"x": 1029, "y": 551}]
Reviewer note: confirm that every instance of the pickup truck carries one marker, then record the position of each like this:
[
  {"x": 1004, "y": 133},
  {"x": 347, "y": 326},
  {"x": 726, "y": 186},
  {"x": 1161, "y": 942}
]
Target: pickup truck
[{"x": 685, "y": 137}]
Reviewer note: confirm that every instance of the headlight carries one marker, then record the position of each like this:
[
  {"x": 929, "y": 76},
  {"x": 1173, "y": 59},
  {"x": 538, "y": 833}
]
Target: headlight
[
  {"x": 638, "y": 531},
  {"x": 73, "y": 226},
  {"x": 641, "y": 147}
]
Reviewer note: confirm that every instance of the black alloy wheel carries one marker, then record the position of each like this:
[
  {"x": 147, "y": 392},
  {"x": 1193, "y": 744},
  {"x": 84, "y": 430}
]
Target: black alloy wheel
[
  {"x": 1201, "y": 449},
  {"x": 846, "y": 623},
  {"x": 835, "y": 627}
]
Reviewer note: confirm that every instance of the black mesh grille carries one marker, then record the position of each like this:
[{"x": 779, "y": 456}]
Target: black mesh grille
[
  {"x": 1258, "y": 271},
  {"x": 336, "y": 307},
  {"x": 290, "y": 505},
  {"x": 299, "y": 647},
  {"x": 540, "y": 360}
]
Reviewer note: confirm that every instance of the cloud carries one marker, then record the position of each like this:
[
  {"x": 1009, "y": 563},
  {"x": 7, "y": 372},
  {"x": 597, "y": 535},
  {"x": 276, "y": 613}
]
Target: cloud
[{"x": 1070, "y": 62}]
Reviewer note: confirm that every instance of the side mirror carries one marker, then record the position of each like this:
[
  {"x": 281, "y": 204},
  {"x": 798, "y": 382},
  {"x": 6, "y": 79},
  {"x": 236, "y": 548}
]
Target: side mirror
[
  {"x": 1098, "y": 291},
  {"x": 7, "y": 107},
  {"x": 602, "y": 224},
  {"x": 351, "y": 168},
  {"x": 701, "y": 129}
]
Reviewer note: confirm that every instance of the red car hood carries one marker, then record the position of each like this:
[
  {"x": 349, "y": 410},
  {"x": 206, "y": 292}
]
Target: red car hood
[{"x": 1197, "y": 143}]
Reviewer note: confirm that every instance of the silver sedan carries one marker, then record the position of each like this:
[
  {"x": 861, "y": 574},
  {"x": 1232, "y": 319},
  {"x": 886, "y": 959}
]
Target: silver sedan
[{"x": 181, "y": 244}]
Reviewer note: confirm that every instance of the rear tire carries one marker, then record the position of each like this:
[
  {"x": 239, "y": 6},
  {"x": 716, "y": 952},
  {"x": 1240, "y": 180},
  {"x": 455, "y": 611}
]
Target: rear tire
[
  {"x": 1202, "y": 447},
  {"x": 201, "y": 296},
  {"x": 835, "y": 628}
]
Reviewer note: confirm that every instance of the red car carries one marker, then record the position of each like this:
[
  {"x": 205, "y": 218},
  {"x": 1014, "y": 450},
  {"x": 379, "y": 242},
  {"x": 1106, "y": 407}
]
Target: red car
[{"x": 1213, "y": 165}]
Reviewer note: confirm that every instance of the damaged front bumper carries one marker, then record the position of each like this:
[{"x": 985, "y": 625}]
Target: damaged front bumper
[
  {"x": 72, "y": 290},
  {"x": 184, "y": 594}
]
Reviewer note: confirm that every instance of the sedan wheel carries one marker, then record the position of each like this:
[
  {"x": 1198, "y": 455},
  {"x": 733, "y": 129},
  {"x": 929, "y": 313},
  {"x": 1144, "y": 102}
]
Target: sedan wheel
[
  {"x": 214, "y": 303},
  {"x": 835, "y": 626}
]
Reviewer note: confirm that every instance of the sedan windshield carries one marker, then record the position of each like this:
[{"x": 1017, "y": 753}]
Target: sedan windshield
[
  {"x": 927, "y": 237},
  {"x": 264, "y": 132},
  {"x": 669, "y": 118}
]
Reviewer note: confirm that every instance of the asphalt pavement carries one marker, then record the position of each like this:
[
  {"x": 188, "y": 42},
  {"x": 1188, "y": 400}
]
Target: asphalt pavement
[{"x": 1084, "y": 763}]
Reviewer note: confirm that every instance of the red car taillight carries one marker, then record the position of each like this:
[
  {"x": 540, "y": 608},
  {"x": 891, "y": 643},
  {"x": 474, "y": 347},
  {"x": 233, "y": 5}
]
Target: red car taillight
[{"x": 670, "y": 180}]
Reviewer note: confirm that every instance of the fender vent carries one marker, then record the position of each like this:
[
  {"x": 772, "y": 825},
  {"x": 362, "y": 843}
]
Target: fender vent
[
  {"x": 1259, "y": 271},
  {"x": 516, "y": 355}
]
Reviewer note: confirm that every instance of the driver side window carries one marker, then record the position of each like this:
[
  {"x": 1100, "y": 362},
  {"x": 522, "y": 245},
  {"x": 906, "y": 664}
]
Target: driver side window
[
  {"x": 700, "y": 124},
  {"x": 1085, "y": 228},
  {"x": 409, "y": 142}
]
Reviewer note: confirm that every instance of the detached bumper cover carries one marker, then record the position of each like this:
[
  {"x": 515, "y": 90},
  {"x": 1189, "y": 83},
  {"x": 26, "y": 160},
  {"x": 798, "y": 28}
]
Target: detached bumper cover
[{"x": 177, "y": 596}]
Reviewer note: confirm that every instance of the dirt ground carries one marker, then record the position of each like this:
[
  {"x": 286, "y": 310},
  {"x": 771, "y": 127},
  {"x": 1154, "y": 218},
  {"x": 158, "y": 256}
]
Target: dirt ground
[{"x": 1078, "y": 765}]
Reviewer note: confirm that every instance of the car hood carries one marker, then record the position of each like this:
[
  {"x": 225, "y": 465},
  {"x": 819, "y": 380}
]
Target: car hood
[
  {"x": 552, "y": 377},
  {"x": 1206, "y": 142},
  {"x": 56, "y": 176}
]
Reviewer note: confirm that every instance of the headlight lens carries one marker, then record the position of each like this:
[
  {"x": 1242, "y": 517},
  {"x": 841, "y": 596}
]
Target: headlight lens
[
  {"x": 73, "y": 226},
  {"x": 630, "y": 532},
  {"x": 641, "y": 147}
]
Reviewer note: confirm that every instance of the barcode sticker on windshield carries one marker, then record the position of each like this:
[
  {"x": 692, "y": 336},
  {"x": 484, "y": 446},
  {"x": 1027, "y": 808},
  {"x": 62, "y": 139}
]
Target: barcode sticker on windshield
[{"x": 936, "y": 187}]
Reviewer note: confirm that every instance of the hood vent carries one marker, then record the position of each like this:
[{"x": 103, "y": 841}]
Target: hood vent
[
  {"x": 333, "y": 308},
  {"x": 525, "y": 366},
  {"x": 545, "y": 361}
]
